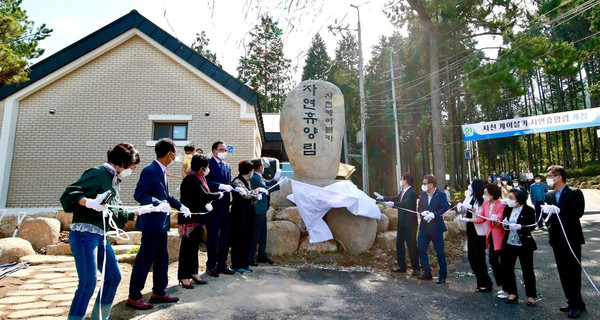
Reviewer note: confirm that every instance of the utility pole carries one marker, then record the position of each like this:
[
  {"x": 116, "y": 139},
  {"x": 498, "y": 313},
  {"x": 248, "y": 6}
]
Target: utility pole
[
  {"x": 398, "y": 167},
  {"x": 363, "y": 115}
]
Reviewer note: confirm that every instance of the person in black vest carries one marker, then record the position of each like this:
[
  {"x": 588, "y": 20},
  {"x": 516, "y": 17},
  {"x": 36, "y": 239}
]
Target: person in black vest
[
  {"x": 566, "y": 203},
  {"x": 407, "y": 224}
]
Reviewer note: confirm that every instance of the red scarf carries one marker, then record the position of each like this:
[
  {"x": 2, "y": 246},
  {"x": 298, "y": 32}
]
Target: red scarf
[{"x": 202, "y": 180}]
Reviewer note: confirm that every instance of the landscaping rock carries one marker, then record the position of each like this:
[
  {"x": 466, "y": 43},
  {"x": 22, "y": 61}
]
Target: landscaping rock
[
  {"x": 291, "y": 214},
  {"x": 12, "y": 249},
  {"x": 357, "y": 234},
  {"x": 387, "y": 240},
  {"x": 40, "y": 232},
  {"x": 59, "y": 249},
  {"x": 392, "y": 215},
  {"x": 283, "y": 237},
  {"x": 383, "y": 224},
  {"x": 328, "y": 246}
]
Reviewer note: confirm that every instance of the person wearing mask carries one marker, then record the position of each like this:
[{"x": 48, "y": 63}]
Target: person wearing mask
[
  {"x": 217, "y": 221},
  {"x": 489, "y": 180},
  {"x": 196, "y": 195},
  {"x": 516, "y": 185},
  {"x": 471, "y": 207},
  {"x": 242, "y": 216},
  {"x": 259, "y": 225},
  {"x": 537, "y": 192},
  {"x": 492, "y": 213},
  {"x": 494, "y": 177},
  {"x": 153, "y": 188},
  {"x": 407, "y": 224},
  {"x": 519, "y": 219},
  {"x": 86, "y": 199},
  {"x": 448, "y": 195},
  {"x": 504, "y": 188},
  {"x": 432, "y": 206},
  {"x": 190, "y": 151},
  {"x": 566, "y": 203}
]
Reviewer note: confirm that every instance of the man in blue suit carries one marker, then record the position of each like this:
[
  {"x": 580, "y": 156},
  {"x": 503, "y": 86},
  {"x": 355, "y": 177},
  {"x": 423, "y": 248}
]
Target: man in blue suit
[
  {"x": 152, "y": 188},
  {"x": 259, "y": 225},
  {"x": 432, "y": 206},
  {"x": 217, "y": 221}
]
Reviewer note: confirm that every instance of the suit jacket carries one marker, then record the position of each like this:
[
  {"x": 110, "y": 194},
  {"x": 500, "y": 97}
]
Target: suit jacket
[
  {"x": 195, "y": 197},
  {"x": 438, "y": 207},
  {"x": 571, "y": 204},
  {"x": 406, "y": 219},
  {"x": 496, "y": 232},
  {"x": 216, "y": 177},
  {"x": 257, "y": 181},
  {"x": 526, "y": 217},
  {"x": 153, "y": 189}
]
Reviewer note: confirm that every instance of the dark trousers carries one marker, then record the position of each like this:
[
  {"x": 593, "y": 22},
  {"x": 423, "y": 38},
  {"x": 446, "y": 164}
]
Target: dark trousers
[
  {"x": 241, "y": 224},
  {"x": 509, "y": 258},
  {"x": 258, "y": 237},
  {"x": 538, "y": 212},
  {"x": 494, "y": 258},
  {"x": 153, "y": 250},
  {"x": 569, "y": 272},
  {"x": 188, "y": 254},
  {"x": 476, "y": 255},
  {"x": 217, "y": 238},
  {"x": 407, "y": 235},
  {"x": 437, "y": 238}
]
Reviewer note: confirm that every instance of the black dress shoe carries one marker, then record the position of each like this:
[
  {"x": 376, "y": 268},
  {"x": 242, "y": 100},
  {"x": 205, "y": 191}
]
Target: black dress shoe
[
  {"x": 252, "y": 263},
  {"x": 212, "y": 272},
  {"x": 265, "y": 260},
  {"x": 440, "y": 280},
  {"x": 399, "y": 270},
  {"x": 425, "y": 277},
  {"x": 488, "y": 289},
  {"x": 511, "y": 301},
  {"x": 574, "y": 313},
  {"x": 415, "y": 273},
  {"x": 565, "y": 308},
  {"x": 225, "y": 270}
]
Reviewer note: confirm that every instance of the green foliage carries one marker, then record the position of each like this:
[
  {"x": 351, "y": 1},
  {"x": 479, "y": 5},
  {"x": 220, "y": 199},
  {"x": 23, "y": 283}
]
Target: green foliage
[
  {"x": 134, "y": 250},
  {"x": 18, "y": 42},
  {"x": 318, "y": 63},
  {"x": 587, "y": 171},
  {"x": 200, "y": 45}
]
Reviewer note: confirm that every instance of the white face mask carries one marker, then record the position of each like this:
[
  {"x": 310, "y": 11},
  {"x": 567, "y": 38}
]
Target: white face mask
[
  {"x": 222, "y": 155},
  {"x": 504, "y": 182},
  {"x": 125, "y": 173},
  {"x": 486, "y": 198},
  {"x": 538, "y": 181},
  {"x": 206, "y": 171},
  {"x": 189, "y": 156},
  {"x": 515, "y": 185},
  {"x": 511, "y": 203},
  {"x": 550, "y": 182},
  {"x": 424, "y": 188}
]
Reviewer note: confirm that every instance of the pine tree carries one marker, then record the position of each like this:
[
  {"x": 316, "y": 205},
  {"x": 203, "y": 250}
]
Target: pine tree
[
  {"x": 318, "y": 63},
  {"x": 200, "y": 45}
]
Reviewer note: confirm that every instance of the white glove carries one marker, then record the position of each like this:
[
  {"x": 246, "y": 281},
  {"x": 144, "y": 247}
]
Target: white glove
[
  {"x": 505, "y": 222},
  {"x": 461, "y": 218},
  {"x": 220, "y": 195},
  {"x": 430, "y": 216},
  {"x": 163, "y": 207},
  {"x": 389, "y": 204},
  {"x": 514, "y": 227},
  {"x": 283, "y": 181},
  {"x": 550, "y": 209},
  {"x": 263, "y": 190},
  {"x": 145, "y": 209},
  {"x": 225, "y": 187},
  {"x": 277, "y": 175},
  {"x": 186, "y": 212},
  {"x": 95, "y": 204},
  {"x": 424, "y": 213},
  {"x": 241, "y": 191},
  {"x": 208, "y": 207},
  {"x": 467, "y": 206},
  {"x": 259, "y": 197},
  {"x": 494, "y": 217},
  {"x": 459, "y": 207},
  {"x": 378, "y": 196}
]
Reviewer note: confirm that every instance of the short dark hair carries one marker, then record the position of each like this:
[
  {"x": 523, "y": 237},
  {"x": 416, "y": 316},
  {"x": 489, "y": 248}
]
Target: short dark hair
[
  {"x": 245, "y": 166},
  {"x": 537, "y": 176},
  {"x": 504, "y": 179},
  {"x": 430, "y": 179},
  {"x": 560, "y": 170},
  {"x": 409, "y": 178},
  {"x": 493, "y": 190},
  {"x": 215, "y": 145},
  {"x": 199, "y": 161},
  {"x": 520, "y": 195},
  {"x": 164, "y": 146},
  {"x": 189, "y": 147},
  {"x": 257, "y": 163},
  {"x": 199, "y": 150},
  {"x": 517, "y": 180},
  {"x": 124, "y": 155}
]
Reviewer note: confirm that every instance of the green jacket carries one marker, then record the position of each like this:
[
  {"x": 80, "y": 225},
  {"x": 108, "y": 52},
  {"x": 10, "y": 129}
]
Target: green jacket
[{"x": 93, "y": 182}]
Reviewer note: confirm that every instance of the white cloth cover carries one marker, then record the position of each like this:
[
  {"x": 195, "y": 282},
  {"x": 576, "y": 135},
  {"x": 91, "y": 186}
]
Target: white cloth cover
[
  {"x": 313, "y": 203},
  {"x": 367, "y": 206}
]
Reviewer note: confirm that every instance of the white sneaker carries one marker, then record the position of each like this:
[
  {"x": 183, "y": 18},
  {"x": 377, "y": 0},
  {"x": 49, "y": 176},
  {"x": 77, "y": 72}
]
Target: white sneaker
[
  {"x": 500, "y": 292},
  {"x": 502, "y": 296}
]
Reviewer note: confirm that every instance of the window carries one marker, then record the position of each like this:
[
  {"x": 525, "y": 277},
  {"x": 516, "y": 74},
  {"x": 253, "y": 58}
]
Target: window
[{"x": 175, "y": 131}]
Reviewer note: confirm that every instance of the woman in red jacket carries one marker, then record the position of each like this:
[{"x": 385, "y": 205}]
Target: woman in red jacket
[{"x": 493, "y": 211}]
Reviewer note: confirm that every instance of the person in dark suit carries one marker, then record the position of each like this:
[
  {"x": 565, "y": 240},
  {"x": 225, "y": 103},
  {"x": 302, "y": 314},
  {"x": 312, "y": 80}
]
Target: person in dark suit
[
  {"x": 407, "y": 224},
  {"x": 566, "y": 203},
  {"x": 259, "y": 226},
  {"x": 519, "y": 219},
  {"x": 152, "y": 188},
  {"x": 196, "y": 195},
  {"x": 432, "y": 206},
  {"x": 217, "y": 221}
]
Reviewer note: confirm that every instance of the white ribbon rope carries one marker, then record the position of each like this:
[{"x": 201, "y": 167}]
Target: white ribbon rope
[{"x": 20, "y": 219}]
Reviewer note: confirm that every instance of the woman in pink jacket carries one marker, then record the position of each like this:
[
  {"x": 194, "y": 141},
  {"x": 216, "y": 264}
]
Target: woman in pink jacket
[{"x": 493, "y": 209}]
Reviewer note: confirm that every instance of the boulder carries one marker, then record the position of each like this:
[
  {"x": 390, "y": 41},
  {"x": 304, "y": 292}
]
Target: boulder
[
  {"x": 291, "y": 214},
  {"x": 12, "y": 249},
  {"x": 65, "y": 218},
  {"x": 130, "y": 225},
  {"x": 392, "y": 215},
  {"x": 462, "y": 226},
  {"x": 328, "y": 246},
  {"x": 135, "y": 237},
  {"x": 271, "y": 213},
  {"x": 453, "y": 229},
  {"x": 126, "y": 258},
  {"x": 173, "y": 244},
  {"x": 283, "y": 237},
  {"x": 355, "y": 233},
  {"x": 40, "y": 232},
  {"x": 173, "y": 216},
  {"x": 59, "y": 249},
  {"x": 7, "y": 225},
  {"x": 387, "y": 240},
  {"x": 383, "y": 224},
  {"x": 278, "y": 198},
  {"x": 120, "y": 249},
  {"x": 449, "y": 215}
]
